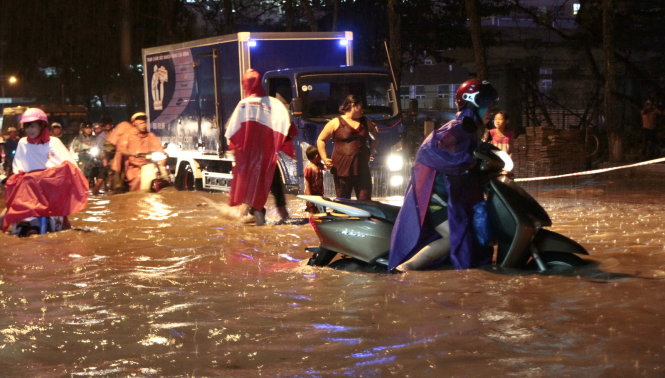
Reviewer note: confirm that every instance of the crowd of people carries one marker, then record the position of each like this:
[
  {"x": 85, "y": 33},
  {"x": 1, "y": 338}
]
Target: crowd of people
[
  {"x": 433, "y": 225},
  {"x": 260, "y": 127},
  {"x": 93, "y": 151},
  {"x": 442, "y": 177},
  {"x": 111, "y": 158},
  {"x": 45, "y": 179}
]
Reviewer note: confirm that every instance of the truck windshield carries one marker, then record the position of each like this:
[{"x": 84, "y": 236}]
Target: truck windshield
[{"x": 323, "y": 93}]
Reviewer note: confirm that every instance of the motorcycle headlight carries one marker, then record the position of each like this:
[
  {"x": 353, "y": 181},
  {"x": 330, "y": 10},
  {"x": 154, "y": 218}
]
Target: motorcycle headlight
[
  {"x": 172, "y": 148},
  {"x": 394, "y": 162},
  {"x": 94, "y": 151},
  {"x": 156, "y": 156}
]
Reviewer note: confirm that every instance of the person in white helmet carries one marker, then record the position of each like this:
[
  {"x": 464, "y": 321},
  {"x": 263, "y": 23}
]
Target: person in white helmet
[{"x": 56, "y": 130}]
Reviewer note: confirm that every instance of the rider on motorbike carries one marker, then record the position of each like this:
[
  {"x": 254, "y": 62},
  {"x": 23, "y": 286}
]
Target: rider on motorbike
[
  {"x": 139, "y": 144},
  {"x": 46, "y": 182},
  {"x": 85, "y": 151},
  {"x": 435, "y": 221}
]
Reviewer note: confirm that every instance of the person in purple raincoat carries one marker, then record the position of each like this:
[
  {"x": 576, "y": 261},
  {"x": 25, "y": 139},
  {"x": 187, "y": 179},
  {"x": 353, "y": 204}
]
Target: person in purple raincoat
[{"x": 435, "y": 222}]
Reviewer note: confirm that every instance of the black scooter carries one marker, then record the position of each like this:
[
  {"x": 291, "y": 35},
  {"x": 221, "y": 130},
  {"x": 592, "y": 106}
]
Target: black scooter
[{"x": 359, "y": 231}]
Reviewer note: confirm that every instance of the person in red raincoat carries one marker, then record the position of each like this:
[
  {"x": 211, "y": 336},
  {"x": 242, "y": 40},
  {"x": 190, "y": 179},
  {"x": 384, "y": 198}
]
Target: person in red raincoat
[
  {"x": 258, "y": 129},
  {"x": 47, "y": 182},
  {"x": 135, "y": 146}
]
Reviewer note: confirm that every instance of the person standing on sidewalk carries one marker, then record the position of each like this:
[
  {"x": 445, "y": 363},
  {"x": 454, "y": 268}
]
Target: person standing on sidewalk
[{"x": 649, "y": 113}]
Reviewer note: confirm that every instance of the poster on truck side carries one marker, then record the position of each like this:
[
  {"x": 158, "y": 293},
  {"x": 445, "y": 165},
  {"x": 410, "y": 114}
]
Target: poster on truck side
[{"x": 190, "y": 91}]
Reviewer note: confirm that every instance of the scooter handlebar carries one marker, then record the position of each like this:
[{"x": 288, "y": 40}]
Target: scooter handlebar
[{"x": 154, "y": 156}]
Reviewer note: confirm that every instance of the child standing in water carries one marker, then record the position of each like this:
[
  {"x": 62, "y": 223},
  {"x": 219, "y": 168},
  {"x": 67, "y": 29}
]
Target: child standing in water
[{"x": 313, "y": 176}]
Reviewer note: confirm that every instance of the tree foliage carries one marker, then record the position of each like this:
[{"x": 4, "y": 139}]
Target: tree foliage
[
  {"x": 70, "y": 51},
  {"x": 76, "y": 50},
  {"x": 73, "y": 50}
]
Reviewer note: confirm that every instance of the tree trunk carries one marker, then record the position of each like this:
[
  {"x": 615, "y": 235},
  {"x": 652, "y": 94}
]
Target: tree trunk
[
  {"x": 395, "y": 42},
  {"x": 613, "y": 132},
  {"x": 335, "y": 12},
  {"x": 475, "y": 30},
  {"x": 228, "y": 17},
  {"x": 288, "y": 15},
  {"x": 126, "y": 53},
  {"x": 126, "y": 35},
  {"x": 311, "y": 20}
]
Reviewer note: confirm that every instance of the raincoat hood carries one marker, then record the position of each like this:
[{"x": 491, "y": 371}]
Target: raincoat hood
[
  {"x": 43, "y": 137},
  {"x": 251, "y": 84}
]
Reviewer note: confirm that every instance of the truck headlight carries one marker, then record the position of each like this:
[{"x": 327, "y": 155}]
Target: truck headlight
[
  {"x": 396, "y": 180},
  {"x": 394, "y": 162}
]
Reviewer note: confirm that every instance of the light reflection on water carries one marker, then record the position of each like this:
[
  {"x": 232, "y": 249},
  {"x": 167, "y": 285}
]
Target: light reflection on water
[{"x": 164, "y": 284}]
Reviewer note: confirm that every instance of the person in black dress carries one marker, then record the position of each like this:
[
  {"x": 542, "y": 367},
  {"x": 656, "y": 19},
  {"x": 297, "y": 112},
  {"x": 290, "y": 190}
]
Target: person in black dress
[{"x": 355, "y": 138}]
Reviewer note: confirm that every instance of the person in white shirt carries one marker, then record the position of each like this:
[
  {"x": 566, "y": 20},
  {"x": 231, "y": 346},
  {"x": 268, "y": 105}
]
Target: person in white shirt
[
  {"x": 37, "y": 150},
  {"x": 44, "y": 166}
]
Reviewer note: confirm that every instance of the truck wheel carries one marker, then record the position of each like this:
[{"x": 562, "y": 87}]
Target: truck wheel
[{"x": 185, "y": 179}]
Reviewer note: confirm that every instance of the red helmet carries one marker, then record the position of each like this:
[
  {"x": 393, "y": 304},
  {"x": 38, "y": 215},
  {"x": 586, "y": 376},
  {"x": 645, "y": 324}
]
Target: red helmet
[
  {"x": 33, "y": 114},
  {"x": 478, "y": 93}
]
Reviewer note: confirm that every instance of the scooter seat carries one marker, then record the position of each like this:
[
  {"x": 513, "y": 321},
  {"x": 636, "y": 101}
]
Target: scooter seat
[{"x": 377, "y": 209}]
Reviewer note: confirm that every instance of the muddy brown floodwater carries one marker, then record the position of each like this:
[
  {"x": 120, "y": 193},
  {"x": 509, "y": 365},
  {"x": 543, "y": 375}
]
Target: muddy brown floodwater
[{"x": 160, "y": 284}]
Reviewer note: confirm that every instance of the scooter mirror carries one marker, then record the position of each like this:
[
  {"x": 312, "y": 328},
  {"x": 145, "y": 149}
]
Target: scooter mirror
[
  {"x": 296, "y": 106},
  {"x": 507, "y": 161},
  {"x": 492, "y": 159}
]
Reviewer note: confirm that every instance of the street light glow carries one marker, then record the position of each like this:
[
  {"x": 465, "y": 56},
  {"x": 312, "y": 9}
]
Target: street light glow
[{"x": 12, "y": 80}]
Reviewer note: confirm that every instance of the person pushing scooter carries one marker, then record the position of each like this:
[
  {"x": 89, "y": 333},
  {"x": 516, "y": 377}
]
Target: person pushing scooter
[{"x": 435, "y": 221}]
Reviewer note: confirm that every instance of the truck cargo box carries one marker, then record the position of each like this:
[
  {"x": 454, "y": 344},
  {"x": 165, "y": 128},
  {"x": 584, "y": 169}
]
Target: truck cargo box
[{"x": 192, "y": 88}]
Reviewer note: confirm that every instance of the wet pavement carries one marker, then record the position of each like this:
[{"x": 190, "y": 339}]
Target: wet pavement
[{"x": 164, "y": 284}]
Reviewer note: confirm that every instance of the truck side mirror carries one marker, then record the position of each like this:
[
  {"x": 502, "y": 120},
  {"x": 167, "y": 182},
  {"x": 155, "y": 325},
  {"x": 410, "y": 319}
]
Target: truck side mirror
[
  {"x": 296, "y": 106},
  {"x": 413, "y": 106}
]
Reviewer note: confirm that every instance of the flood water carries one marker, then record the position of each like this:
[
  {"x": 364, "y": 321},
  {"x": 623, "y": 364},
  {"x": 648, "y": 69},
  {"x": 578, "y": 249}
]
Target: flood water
[{"x": 162, "y": 284}]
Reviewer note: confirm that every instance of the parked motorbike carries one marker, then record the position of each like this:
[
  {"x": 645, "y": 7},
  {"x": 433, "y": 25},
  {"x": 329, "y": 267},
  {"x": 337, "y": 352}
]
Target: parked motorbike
[
  {"x": 360, "y": 231},
  {"x": 154, "y": 177}
]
